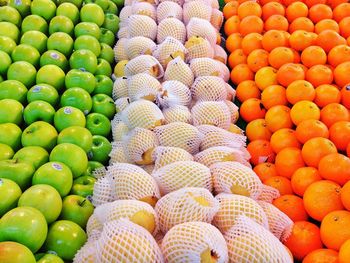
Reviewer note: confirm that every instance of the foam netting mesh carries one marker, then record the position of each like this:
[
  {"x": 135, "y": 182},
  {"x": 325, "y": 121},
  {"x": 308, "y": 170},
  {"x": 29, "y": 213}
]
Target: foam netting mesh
[
  {"x": 124, "y": 13},
  {"x": 209, "y": 88},
  {"x": 179, "y": 134},
  {"x": 123, "y": 32},
  {"x": 144, "y": 8},
  {"x": 268, "y": 194},
  {"x": 169, "y": 9},
  {"x": 177, "y": 69},
  {"x": 99, "y": 172},
  {"x": 250, "y": 242},
  {"x": 174, "y": 93},
  {"x": 120, "y": 50},
  {"x": 142, "y": 113},
  {"x": 234, "y": 111},
  {"x": 209, "y": 67},
  {"x": 121, "y": 104},
  {"x": 140, "y": 25},
  {"x": 94, "y": 225},
  {"x": 236, "y": 178},
  {"x": 216, "y": 19},
  {"x": 143, "y": 85},
  {"x": 179, "y": 2},
  {"x": 211, "y": 113},
  {"x": 149, "y": 168},
  {"x": 120, "y": 88},
  {"x": 186, "y": 205},
  {"x": 86, "y": 254},
  {"x": 119, "y": 129},
  {"x": 169, "y": 49},
  {"x": 220, "y": 54},
  {"x": 212, "y": 3},
  {"x": 117, "y": 154},
  {"x": 279, "y": 223},
  {"x": 102, "y": 192},
  {"x": 166, "y": 155},
  {"x": 186, "y": 242},
  {"x": 231, "y": 206},
  {"x": 177, "y": 113},
  {"x": 202, "y": 28},
  {"x": 171, "y": 27},
  {"x": 201, "y": 48},
  {"x": 130, "y": 209},
  {"x": 197, "y": 9},
  {"x": 124, "y": 241},
  {"x": 144, "y": 64},
  {"x": 139, "y": 45},
  {"x": 129, "y": 181},
  {"x": 177, "y": 175}
]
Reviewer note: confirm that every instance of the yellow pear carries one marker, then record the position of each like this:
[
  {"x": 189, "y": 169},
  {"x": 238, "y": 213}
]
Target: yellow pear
[
  {"x": 228, "y": 158},
  {"x": 154, "y": 70},
  {"x": 119, "y": 69},
  {"x": 151, "y": 200},
  {"x": 200, "y": 200},
  {"x": 176, "y": 54},
  {"x": 209, "y": 256},
  {"x": 144, "y": 219},
  {"x": 146, "y": 157},
  {"x": 234, "y": 129},
  {"x": 221, "y": 59},
  {"x": 193, "y": 41},
  {"x": 239, "y": 190}
]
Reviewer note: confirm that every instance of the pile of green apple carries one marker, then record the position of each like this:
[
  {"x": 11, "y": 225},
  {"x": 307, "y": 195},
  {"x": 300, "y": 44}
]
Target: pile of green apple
[{"x": 56, "y": 62}]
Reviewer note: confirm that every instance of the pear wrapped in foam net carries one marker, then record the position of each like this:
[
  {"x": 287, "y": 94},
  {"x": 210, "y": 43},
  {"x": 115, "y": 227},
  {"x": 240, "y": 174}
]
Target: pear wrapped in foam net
[
  {"x": 235, "y": 178},
  {"x": 119, "y": 130},
  {"x": 142, "y": 113},
  {"x": 131, "y": 182},
  {"x": 186, "y": 205},
  {"x": 231, "y": 206},
  {"x": 214, "y": 113},
  {"x": 94, "y": 225},
  {"x": 209, "y": 67},
  {"x": 143, "y": 86},
  {"x": 209, "y": 88},
  {"x": 86, "y": 254},
  {"x": 149, "y": 168},
  {"x": 124, "y": 14},
  {"x": 202, "y": 28},
  {"x": 279, "y": 223},
  {"x": 144, "y": 8},
  {"x": 194, "y": 242},
  {"x": 169, "y": 49},
  {"x": 234, "y": 110},
  {"x": 200, "y": 48},
  {"x": 249, "y": 242},
  {"x": 120, "y": 88},
  {"x": 171, "y": 27},
  {"x": 124, "y": 241},
  {"x": 212, "y": 3},
  {"x": 139, "y": 45},
  {"x": 220, "y": 54},
  {"x": 179, "y": 134},
  {"x": 144, "y": 64},
  {"x": 268, "y": 194},
  {"x": 181, "y": 174},
  {"x": 123, "y": 31},
  {"x": 118, "y": 155},
  {"x": 166, "y": 155},
  {"x": 119, "y": 49},
  {"x": 179, "y": 2},
  {"x": 177, "y": 69},
  {"x": 169, "y": 9},
  {"x": 198, "y": 9},
  {"x": 216, "y": 19},
  {"x": 174, "y": 93},
  {"x": 140, "y": 25},
  {"x": 121, "y": 104},
  {"x": 102, "y": 192},
  {"x": 177, "y": 113}
]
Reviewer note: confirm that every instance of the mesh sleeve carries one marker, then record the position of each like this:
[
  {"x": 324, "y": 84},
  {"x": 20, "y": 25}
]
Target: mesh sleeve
[
  {"x": 144, "y": 64},
  {"x": 174, "y": 93},
  {"x": 209, "y": 88},
  {"x": 169, "y": 9},
  {"x": 200, "y": 49},
  {"x": 169, "y": 49},
  {"x": 119, "y": 49},
  {"x": 171, "y": 27},
  {"x": 120, "y": 88},
  {"x": 139, "y": 45},
  {"x": 102, "y": 192},
  {"x": 203, "y": 28},
  {"x": 177, "y": 113},
  {"x": 143, "y": 86},
  {"x": 144, "y": 8},
  {"x": 166, "y": 155},
  {"x": 140, "y": 25},
  {"x": 177, "y": 69},
  {"x": 197, "y": 9}
]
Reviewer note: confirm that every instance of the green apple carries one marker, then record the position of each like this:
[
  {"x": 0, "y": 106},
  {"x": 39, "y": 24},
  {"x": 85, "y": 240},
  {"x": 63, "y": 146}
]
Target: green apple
[
  {"x": 111, "y": 8},
  {"x": 23, "y": 72},
  {"x": 13, "y": 89},
  {"x": 107, "y": 53},
  {"x": 36, "y": 39},
  {"x": 77, "y": 78},
  {"x": 102, "y": 103},
  {"x": 10, "y": 134},
  {"x": 111, "y": 22},
  {"x": 13, "y": 252},
  {"x": 65, "y": 238},
  {"x": 104, "y": 85},
  {"x": 11, "y": 111},
  {"x": 61, "y": 42},
  {"x": 10, "y": 14},
  {"x": 9, "y": 194},
  {"x": 69, "y": 116},
  {"x": 83, "y": 186},
  {"x": 77, "y": 3},
  {"x": 103, "y": 67},
  {"x": 71, "y": 155},
  {"x": 40, "y": 133},
  {"x": 87, "y": 28},
  {"x": 45, "y": 198},
  {"x": 102, "y": 3},
  {"x": 43, "y": 92},
  {"x": 34, "y": 22},
  {"x": 21, "y": 172},
  {"x": 119, "y": 3},
  {"x": 76, "y": 209},
  {"x": 50, "y": 258},
  {"x": 69, "y": 10},
  {"x": 92, "y": 166},
  {"x": 38, "y": 110},
  {"x": 25, "y": 225},
  {"x": 61, "y": 24},
  {"x": 98, "y": 124},
  {"x": 24, "y": 52},
  {"x": 83, "y": 59},
  {"x": 54, "y": 57},
  {"x": 43, "y": 8},
  {"x": 7, "y": 44},
  {"x": 88, "y": 42},
  {"x": 8, "y": 29},
  {"x": 107, "y": 37},
  {"x": 56, "y": 174},
  {"x": 52, "y": 75},
  {"x": 23, "y": 6},
  {"x": 5, "y": 62},
  {"x": 35, "y": 155},
  {"x": 77, "y": 135},
  {"x": 101, "y": 148},
  {"x": 92, "y": 13},
  {"x": 6, "y": 152},
  {"x": 78, "y": 98}
]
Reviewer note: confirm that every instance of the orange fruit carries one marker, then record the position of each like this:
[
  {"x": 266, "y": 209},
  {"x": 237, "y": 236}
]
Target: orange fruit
[
  {"x": 249, "y": 8},
  {"x": 335, "y": 3},
  {"x": 322, "y": 255},
  {"x": 288, "y": 160},
  {"x": 333, "y": 113},
  {"x": 265, "y": 77},
  {"x": 341, "y": 11},
  {"x": 345, "y": 96},
  {"x": 319, "y": 75},
  {"x": 252, "y": 109},
  {"x": 311, "y": 3},
  {"x": 335, "y": 229},
  {"x": 282, "y": 184},
  {"x": 230, "y": 9},
  {"x": 288, "y": 73},
  {"x": 282, "y": 139},
  {"x": 319, "y": 12},
  {"x": 280, "y": 56},
  {"x": 257, "y": 130},
  {"x": 315, "y": 149},
  {"x": 301, "y": 39},
  {"x": 258, "y": 59},
  {"x": 328, "y": 39},
  {"x": 341, "y": 74},
  {"x": 300, "y": 90},
  {"x": 339, "y": 134},
  {"x": 344, "y": 27},
  {"x": 326, "y": 94},
  {"x": 301, "y": 23},
  {"x": 302, "y": 178},
  {"x": 265, "y": 171},
  {"x": 232, "y": 25},
  {"x": 344, "y": 252},
  {"x": 251, "y": 42},
  {"x": 236, "y": 57},
  {"x": 246, "y": 90},
  {"x": 304, "y": 239},
  {"x": 278, "y": 117},
  {"x": 313, "y": 55},
  {"x": 273, "y": 95},
  {"x": 296, "y": 56},
  {"x": 321, "y": 198},
  {"x": 304, "y": 110},
  {"x": 348, "y": 150},
  {"x": 292, "y": 206},
  {"x": 309, "y": 129},
  {"x": 260, "y": 151},
  {"x": 296, "y": 10},
  {"x": 240, "y": 73},
  {"x": 335, "y": 167},
  {"x": 345, "y": 195},
  {"x": 274, "y": 38},
  {"x": 233, "y": 42},
  {"x": 277, "y": 22},
  {"x": 338, "y": 55},
  {"x": 326, "y": 24},
  {"x": 251, "y": 24},
  {"x": 272, "y": 8}
]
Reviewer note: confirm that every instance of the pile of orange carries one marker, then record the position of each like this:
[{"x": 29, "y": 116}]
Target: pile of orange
[{"x": 290, "y": 61}]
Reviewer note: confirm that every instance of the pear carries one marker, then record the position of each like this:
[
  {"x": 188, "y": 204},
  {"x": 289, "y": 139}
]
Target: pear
[{"x": 119, "y": 69}]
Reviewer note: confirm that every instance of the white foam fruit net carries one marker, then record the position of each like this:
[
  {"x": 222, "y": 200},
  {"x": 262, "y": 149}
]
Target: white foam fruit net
[
  {"x": 118, "y": 155},
  {"x": 235, "y": 178},
  {"x": 171, "y": 27},
  {"x": 209, "y": 88},
  {"x": 169, "y": 49},
  {"x": 268, "y": 194},
  {"x": 123, "y": 31},
  {"x": 202, "y": 28},
  {"x": 186, "y": 205},
  {"x": 212, "y": 3},
  {"x": 217, "y": 18},
  {"x": 179, "y": 2},
  {"x": 200, "y": 49},
  {"x": 140, "y": 25},
  {"x": 177, "y": 69},
  {"x": 142, "y": 113},
  {"x": 208, "y": 67},
  {"x": 99, "y": 172},
  {"x": 169, "y": 9},
  {"x": 177, "y": 113},
  {"x": 102, "y": 192},
  {"x": 124, "y": 241},
  {"x": 234, "y": 111},
  {"x": 181, "y": 174},
  {"x": 166, "y": 155},
  {"x": 231, "y": 206},
  {"x": 197, "y": 9},
  {"x": 86, "y": 254},
  {"x": 248, "y": 242},
  {"x": 148, "y": 168},
  {"x": 120, "y": 88},
  {"x": 143, "y": 86},
  {"x": 121, "y": 104},
  {"x": 124, "y": 13},
  {"x": 192, "y": 241},
  {"x": 144, "y": 8},
  {"x": 220, "y": 55},
  {"x": 139, "y": 45},
  {"x": 94, "y": 225},
  {"x": 120, "y": 50},
  {"x": 144, "y": 64},
  {"x": 179, "y": 134},
  {"x": 174, "y": 93}
]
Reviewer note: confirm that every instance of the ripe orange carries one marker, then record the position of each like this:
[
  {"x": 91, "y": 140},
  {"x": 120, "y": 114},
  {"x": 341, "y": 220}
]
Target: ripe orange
[
  {"x": 302, "y": 178},
  {"x": 304, "y": 110},
  {"x": 341, "y": 11},
  {"x": 319, "y": 12},
  {"x": 236, "y": 57},
  {"x": 278, "y": 117},
  {"x": 257, "y": 130},
  {"x": 301, "y": 39},
  {"x": 277, "y": 22},
  {"x": 273, "y": 95},
  {"x": 246, "y": 90},
  {"x": 252, "y": 109},
  {"x": 319, "y": 75},
  {"x": 309, "y": 129},
  {"x": 313, "y": 55},
  {"x": 326, "y": 94},
  {"x": 339, "y": 134},
  {"x": 282, "y": 184},
  {"x": 265, "y": 171},
  {"x": 251, "y": 42},
  {"x": 260, "y": 152},
  {"x": 284, "y": 138},
  {"x": 296, "y": 10},
  {"x": 335, "y": 167},
  {"x": 322, "y": 255},
  {"x": 240, "y": 73},
  {"x": 274, "y": 38},
  {"x": 280, "y": 56},
  {"x": 344, "y": 27},
  {"x": 335, "y": 3},
  {"x": 338, "y": 55},
  {"x": 249, "y": 8},
  {"x": 300, "y": 90},
  {"x": 288, "y": 160},
  {"x": 344, "y": 252},
  {"x": 292, "y": 206},
  {"x": 341, "y": 74},
  {"x": 333, "y": 113},
  {"x": 272, "y": 8},
  {"x": 230, "y": 9},
  {"x": 233, "y": 42},
  {"x": 348, "y": 150},
  {"x": 232, "y": 25},
  {"x": 301, "y": 23},
  {"x": 289, "y": 73},
  {"x": 326, "y": 24},
  {"x": 328, "y": 39},
  {"x": 315, "y": 149},
  {"x": 345, "y": 96},
  {"x": 251, "y": 24},
  {"x": 311, "y": 3},
  {"x": 345, "y": 195},
  {"x": 266, "y": 77},
  {"x": 258, "y": 59}
]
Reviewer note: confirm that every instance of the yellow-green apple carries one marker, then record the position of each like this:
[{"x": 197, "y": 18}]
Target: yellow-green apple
[
  {"x": 111, "y": 8},
  {"x": 77, "y": 135},
  {"x": 6, "y": 152},
  {"x": 10, "y": 134},
  {"x": 111, "y": 22},
  {"x": 10, "y": 14},
  {"x": 69, "y": 116},
  {"x": 88, "y": 42},
  {"x": 23, "y": 72},
  {"x": 61, "y": 42},
  {"x": 92, "y": 166},
  {"x": 49, "y": 258},
  {"x": 107, "y": 37},
  {"x": 98, "y": 124},
  {"x": 43, "y": 8},
  {"x": 13, "y": 89},
  {"x": 103, "y": 67},
  {"x": 38, "y": 110},
  {"x": 100, "y": 150},
  {"x": 43, "y": 92},
  {"x": 40, "y": 133},
  {"x": 78, "y": 98},
  {"x": 20, "y": 172},
  {"x": 34, "y": 22},
  {"x": 83, "y": 186},
  {"x": 83, "y": 59},
  {"x": 52, "y": 75},
  {"x": 92, "y": 13},
  {"x": 69, "y": 10},
  {"x": 54, "y": 57},
  {"x": 5, "y": 62},
  {"x": 7, "y": 44},
  {"x": 107, "y": 53},
  {"x": 119, "y": 3},
  {"x": 35, "y": 155},
  {"x": 24, "y": 52},
  {"x": 77, "y": 3},
  {"x": 36, "y": 39},
  {"x": 104, "y": 85},
  {"x": 9, "y": 194},
  {"x": 8, "y": 29},
  {"x": 102, "y": 3},
  {"x": 13, "y": 252},
  {"x": 77, "y": 78},
  {"x": 102, "y": 103},
  {"x": 87, "y": 28},
  {"x": 11, "y": 111},
  {"x": 61, "y": 24},
  {"x": 22, "y": 6}
]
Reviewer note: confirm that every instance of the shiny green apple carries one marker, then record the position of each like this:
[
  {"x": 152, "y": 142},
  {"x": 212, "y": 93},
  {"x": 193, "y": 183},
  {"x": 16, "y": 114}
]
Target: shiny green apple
[
  {"x": 102, "y": 3},
  {"x": 61, "y": 24},
  {"x": 49, "y": 258},
  {"x": 23, "y": 72},
  {"x": 10, "y": 192},
  {"x": 54, "y": 57},
  {"x": 13, "y": 89},
  {"x": 35, "y": 155},
  {"x": 6, "y": 152},
  {"x": 10, "y": 14},
  {"x": 43, "y": 92},
  {"x": 83, "y": 59},
  {"x": 43, "y": 8},
  {"x": 69, "y": 10},
  {"x": 77, "y": 78},
  {"x": 107, "y": 53},
  {"x": 13, "y": 252},
  {"x": 111, "y": 8},
  {"x": 10, "y": 134},
  {"x": 111, "y": 22},
  {"x": 92, "y": 166},
  {"x": 40, "y": 133},
  {"x": 87, "y": 28},
  {"x": 77, "y": 3},
  {"x": 88, "y": 42},
  {"x": 20, "y": 172},
  {"x": 36, "y": 39},
  {"x": 34, "y": 22},
  {"x": 92, "y": 13},
  {"x": 61, "y": 42},
  {"x": 38, "y": 110},
  {"x": 103, "y": 67},
  {"x": 22, "y": 6},
  {"x": 69, "y": 116},
  {"x": 5, "y": 62},
  {"x": 78, "y": 98},
  {"x": 104, "y": 85},
  {"x": 98, "y": 124},
  {"x": 52, "y": 75},
  {"x": 8, "y": 29},
  {"x": 83, "y": 186},
  {"x": 107, "y": 36},
  {"x": 11, "y": 111},
  {"x": 24, "y": 52},
  {"x": 77, "y": 135},
  {"x": 7, "y": 44},
  {"x": 101, "y": 149},
  {"x": 102, "y": 103}
]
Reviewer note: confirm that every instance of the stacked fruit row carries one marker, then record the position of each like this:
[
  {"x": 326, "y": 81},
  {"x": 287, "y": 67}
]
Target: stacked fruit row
[
  {"x": 290, "y": 61},
  {"x": 55, "y": 109},
  {"x": 179, "y": 187}
]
